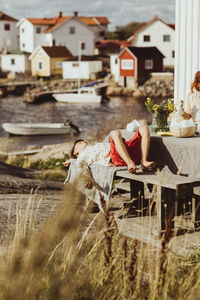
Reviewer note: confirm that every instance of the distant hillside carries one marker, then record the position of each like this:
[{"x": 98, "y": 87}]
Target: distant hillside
[{"x": 124, "y": 32}]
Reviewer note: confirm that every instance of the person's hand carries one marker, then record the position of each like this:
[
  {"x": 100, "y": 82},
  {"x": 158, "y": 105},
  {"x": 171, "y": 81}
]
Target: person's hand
[{"x": 68, "y": 162}]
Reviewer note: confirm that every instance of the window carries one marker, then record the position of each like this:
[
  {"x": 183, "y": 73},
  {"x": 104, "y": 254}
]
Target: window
[
  {"x": 148, "y": 64},
  {"x": 7, "y": 26},
  {"x": 102, "y": 33},
  {"x": 127, "y": 64},
  {"x": 82, "y": 46},
  {"x": 12, "y": 61},
  {"x": 86, "y": 92},
  {"x": 23, "y": 30},
  {"x": 116, "y": 61},
  {"x": 38, "y": 29},
  {"x": 23, "y": 45},
  {"x": 54, "y": 42},
  {"x": 173, "y": 53},
  {"x": 166, "y": 38},
  {"x": 72, "y": 30},
  {"x": 40, "y": 65},
  {"x": 59, "y": 64},
  {"x": 75, "y": 65},
  {"x": 147, "y": 38}
]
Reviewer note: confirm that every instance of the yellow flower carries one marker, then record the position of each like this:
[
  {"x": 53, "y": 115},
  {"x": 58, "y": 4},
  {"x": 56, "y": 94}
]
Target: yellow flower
[
  {"x": 155, "y": 107},
  {"x": 171, "y": 106},
  {"x": 148, "y": 100}
]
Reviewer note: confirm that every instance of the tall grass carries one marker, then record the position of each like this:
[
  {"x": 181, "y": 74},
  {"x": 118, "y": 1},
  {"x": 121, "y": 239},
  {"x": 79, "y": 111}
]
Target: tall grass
[{"x": 76, "y": 255}]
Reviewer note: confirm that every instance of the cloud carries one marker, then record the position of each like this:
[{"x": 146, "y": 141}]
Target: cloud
[{"x": 119, "y": 12}]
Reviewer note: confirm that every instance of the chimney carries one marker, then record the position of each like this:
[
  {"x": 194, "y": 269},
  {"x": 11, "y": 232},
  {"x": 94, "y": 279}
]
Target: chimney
[
  {"x": 60, "y": 14},
  {"x": 75, "y": 13}
]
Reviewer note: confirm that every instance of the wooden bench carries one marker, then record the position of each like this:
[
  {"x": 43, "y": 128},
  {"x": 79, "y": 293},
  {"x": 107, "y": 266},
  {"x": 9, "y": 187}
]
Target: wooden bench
[{"x": 173, "y": 194}]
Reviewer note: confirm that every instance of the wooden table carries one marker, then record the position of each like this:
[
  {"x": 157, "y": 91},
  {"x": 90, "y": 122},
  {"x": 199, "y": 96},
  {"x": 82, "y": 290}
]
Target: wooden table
[
  {"x": 173, "y": 194},
  {"x": 174, "y": 155}
]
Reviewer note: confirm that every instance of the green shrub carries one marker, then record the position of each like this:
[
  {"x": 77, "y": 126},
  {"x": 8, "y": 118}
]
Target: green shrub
[
  {"x": 17, "y": 161},
  {"x": 52, "y": 163},
  {"x": 53, "y": 175},
  {"x": 3, "y": 157}
]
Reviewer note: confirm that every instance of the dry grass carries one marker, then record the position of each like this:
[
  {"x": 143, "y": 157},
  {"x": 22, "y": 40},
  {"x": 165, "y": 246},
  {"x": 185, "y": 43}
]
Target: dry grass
[{"x": 68, "y": 260}]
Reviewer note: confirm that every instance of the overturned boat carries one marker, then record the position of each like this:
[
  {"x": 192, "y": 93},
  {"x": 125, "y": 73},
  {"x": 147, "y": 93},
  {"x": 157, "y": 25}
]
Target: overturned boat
[{"x": 39, "y": 128}]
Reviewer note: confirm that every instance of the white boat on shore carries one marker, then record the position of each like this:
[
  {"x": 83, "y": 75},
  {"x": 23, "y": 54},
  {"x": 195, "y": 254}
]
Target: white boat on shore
[
  {"x": 36, "y": 128},
  {"x": 81, "y": 95}
]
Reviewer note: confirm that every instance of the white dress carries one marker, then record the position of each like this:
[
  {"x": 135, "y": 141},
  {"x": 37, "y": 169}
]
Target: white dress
[
  {"x": 194, "y": 104},
  {"x": 97, "y": 153}
]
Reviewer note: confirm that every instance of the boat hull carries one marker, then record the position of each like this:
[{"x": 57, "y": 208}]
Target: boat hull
[
  {"x": 77, "y": 98},
  {"x": 36, "y": 129}
]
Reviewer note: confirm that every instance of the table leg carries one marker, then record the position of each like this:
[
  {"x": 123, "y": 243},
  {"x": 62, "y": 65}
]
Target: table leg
[
  {"x": 196, "y": 210},
  {"x": 166, "y": 207},
  {"x": 137, "y": 194}
]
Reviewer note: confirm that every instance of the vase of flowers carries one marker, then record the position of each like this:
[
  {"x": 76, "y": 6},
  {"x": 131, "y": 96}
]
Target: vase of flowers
[{"x": 160, "y": 113}]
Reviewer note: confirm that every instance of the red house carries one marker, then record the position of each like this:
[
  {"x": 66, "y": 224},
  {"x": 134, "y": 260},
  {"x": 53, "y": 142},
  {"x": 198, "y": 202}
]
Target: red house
[{"x": 136, "y": 63}]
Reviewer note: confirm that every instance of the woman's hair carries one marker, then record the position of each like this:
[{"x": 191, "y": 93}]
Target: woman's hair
[
  {"x": 196, "y": 82},
  {"x": 72, "y": 151}
]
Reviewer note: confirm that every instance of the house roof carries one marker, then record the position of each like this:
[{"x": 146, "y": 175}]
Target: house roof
[
  {"x": 172, "y": 26},
  {"x": 4, "y": 17},
  {"x": 93, "y": 21},
  {"x": 42, "y": 21},
  {"x": 57, "y": 21},
  {"x": 111, "y": 44},
  {"x": 131, "y": 39},
  {"x": 57, "y": 51},
  {"x": 145, "y": 52}
]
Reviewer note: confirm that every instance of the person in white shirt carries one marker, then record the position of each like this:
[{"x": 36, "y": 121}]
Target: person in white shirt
[
  {"x": 193, "y": 103},
  {"x": 118, "y": 152}
]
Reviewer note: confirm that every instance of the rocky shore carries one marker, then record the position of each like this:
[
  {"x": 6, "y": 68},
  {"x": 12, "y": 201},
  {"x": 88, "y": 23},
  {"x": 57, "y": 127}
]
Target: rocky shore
[
  {"x": 156, "y": 88},
  {"x": 24, "y": 181}
]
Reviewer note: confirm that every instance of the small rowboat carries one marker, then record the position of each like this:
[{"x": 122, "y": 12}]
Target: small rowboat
[{"x": 37, "y": 128}]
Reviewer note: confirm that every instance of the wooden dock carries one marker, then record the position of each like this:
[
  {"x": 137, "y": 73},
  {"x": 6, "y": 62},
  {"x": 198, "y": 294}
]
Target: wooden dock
[
  {"x": 16, "y": 87},
  {"x": 39, "y": 95}
]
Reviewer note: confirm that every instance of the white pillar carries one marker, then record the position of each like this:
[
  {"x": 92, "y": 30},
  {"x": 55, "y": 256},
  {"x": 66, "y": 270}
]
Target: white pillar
[{"x": 187, "y": 48}]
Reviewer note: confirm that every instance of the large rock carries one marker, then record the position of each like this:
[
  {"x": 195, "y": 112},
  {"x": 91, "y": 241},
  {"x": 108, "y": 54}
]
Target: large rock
[
  {"x": 19, "y": 180},
  {"x": 127, "y": 92},
  {"x": 137, "y": 93},
  {"x": 114, "y": 91}
]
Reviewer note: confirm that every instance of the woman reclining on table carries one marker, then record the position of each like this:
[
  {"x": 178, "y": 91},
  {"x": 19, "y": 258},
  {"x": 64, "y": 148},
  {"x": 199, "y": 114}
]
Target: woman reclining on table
[{"x": 118, "y": 152}]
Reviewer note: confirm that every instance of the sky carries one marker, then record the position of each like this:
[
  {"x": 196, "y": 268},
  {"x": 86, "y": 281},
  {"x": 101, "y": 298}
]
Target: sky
[{"x": 119, "y": 12}]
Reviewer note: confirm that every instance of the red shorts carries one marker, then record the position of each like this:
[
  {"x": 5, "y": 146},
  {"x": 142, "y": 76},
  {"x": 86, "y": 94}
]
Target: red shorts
[{"x": 133, "y": 147}]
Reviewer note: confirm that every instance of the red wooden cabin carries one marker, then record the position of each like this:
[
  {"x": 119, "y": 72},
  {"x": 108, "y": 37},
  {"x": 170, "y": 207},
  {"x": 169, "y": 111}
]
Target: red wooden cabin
[{"x": 139, "y": 62}]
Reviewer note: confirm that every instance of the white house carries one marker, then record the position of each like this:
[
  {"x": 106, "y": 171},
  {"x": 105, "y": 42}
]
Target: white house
[
  {"x": 47, "y": 61},
  {"x": 157, "y": 33},
  {"x": 114, "y": 66},
  {"x": 84, "y": 69},
  {"x": 8, "y": 33},
  {"x": 17, "y": 62},
  {"x": 69, "y": 31}
]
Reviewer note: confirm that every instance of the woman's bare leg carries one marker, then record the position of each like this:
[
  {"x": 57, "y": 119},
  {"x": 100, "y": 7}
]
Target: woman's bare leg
[
  {"x": 121, "y": 149},
  {"x": 145, "y": 143}
]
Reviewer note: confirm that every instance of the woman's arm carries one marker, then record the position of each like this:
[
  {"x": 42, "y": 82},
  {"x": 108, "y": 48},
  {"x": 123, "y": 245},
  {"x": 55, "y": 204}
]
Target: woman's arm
[{"x": 187, "y": 113}]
